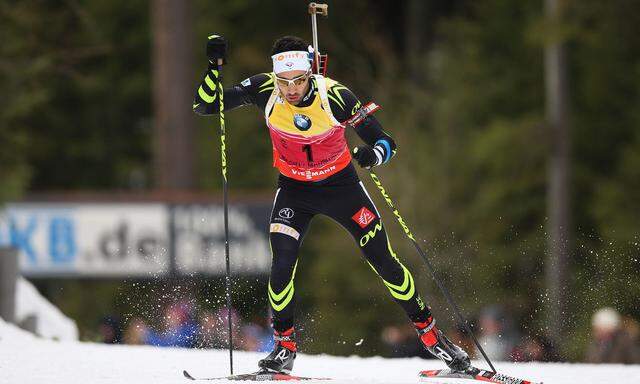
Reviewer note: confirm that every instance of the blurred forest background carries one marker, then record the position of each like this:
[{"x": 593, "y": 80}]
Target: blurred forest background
[{"x": 462, "y": 85}]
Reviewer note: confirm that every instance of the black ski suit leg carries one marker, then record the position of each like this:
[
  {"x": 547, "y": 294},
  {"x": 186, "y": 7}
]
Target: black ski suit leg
[
  {"x": 289, "y": 221},
  {"x": 354, "y": 210}
]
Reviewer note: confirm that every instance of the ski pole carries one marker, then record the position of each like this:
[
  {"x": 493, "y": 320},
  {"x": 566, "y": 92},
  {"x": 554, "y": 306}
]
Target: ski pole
[
  {"x": 225, "y": 203},
  {"x": 444, "y": 290}
]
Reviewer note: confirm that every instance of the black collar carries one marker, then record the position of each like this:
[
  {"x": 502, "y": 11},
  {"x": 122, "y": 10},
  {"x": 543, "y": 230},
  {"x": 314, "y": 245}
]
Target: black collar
[{"x": 308, "y": 98}]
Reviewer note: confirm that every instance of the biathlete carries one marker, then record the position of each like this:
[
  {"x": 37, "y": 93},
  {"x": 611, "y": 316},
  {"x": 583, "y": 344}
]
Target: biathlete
[{"x": 307, "y": 115}]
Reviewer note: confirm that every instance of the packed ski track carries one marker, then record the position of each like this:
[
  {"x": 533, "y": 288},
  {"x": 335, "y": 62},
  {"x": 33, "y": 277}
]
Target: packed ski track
[{"x": 25, "y": 359}]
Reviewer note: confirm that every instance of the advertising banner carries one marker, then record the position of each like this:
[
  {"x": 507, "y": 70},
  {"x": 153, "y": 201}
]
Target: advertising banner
[
  {"x": 145, "y": 240},
  {"x": 88, "y": 239}
]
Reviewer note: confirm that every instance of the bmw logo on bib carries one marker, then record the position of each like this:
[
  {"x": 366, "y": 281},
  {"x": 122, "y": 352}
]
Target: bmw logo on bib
[{"x": 301, "y": 122}]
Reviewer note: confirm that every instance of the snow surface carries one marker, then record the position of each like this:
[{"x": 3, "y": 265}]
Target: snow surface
[{"x": 26, "y": 359}]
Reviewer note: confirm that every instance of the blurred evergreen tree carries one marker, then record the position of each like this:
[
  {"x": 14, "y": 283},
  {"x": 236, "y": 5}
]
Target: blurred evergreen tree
[
  {"x": 606, "y": 65},
  {"x": 484, "y": 155},
  {"x": 77, "y": 87},
  {"x": 488, "y": 146}
]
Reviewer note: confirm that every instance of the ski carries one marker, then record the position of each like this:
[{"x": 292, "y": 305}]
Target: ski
[
  {"x": 257, "y": 376},
  {"x": 473, "y": 374}
]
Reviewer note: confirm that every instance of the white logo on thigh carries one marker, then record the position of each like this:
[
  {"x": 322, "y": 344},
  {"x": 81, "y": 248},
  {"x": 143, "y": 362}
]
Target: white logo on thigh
[
  {"x": 286, "y": 213},
  {"x": 287, "y": 230}
]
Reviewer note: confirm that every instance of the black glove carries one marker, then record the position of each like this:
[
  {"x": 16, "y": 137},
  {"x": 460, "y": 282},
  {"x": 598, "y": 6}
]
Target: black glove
[
  {"x": 217, "y": 49},
  {"x": 365, "y": 156}
]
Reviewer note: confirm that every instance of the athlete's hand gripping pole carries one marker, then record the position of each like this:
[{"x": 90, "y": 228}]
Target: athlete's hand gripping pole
[
  {"x": 225, "y": 203},
  {"x": 444, "y": 290}
]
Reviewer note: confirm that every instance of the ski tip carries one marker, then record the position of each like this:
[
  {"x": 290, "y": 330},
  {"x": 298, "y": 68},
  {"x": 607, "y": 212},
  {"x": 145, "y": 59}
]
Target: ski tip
[{"x": 187, "y": 375}]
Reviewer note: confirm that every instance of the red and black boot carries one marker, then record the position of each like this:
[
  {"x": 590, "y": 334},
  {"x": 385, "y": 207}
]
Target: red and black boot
[
  {"x": 441, "y": 347},
  {"x": 280, "y": 360}
]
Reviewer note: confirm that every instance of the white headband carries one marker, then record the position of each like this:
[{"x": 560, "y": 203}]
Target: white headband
[{"x": 291, "y": 61}]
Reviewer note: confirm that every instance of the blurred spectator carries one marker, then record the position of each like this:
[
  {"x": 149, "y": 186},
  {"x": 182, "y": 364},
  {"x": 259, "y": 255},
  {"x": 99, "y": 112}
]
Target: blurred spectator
[
  {"x": 110, "y": 329},
  {"x": 496, "y": 334},
  {"x": 460, "y": 336},
  {"x": 266, "y": 342},
  {"x": 214, "y": 329},
  {"x": 535, "y": 348},
  {"x": 180, "y": 329},
  {"x": 632, "y": 328},
  {"x": 135, "y": 332},
  {"x": 612, "y": 341},
  {"x": 257, "y": 336},
  {"x": 250, "y": 337},
  {"x": 207, "y": 335}
]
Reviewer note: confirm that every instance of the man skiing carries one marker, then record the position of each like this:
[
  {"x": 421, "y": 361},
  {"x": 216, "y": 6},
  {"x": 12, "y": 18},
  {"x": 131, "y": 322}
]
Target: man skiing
[{"x": 307, "y": 115}]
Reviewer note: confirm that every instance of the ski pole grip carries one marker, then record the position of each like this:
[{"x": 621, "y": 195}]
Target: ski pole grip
[{"x": 320, "y": 9}]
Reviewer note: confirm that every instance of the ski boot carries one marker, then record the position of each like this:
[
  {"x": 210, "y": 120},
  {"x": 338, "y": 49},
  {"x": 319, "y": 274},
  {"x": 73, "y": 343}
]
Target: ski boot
[
  {"x": 441, "y": 347},
  {"x": 280, "y": 360}
]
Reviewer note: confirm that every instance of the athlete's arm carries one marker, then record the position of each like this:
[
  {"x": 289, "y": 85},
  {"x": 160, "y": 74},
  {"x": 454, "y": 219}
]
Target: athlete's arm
[
  {"x": 345, "y": 104},
  {"x": 253, "y": 90}
]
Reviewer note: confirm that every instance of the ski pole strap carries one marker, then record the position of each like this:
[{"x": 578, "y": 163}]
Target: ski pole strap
[{"x": 362, "y": 113}]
